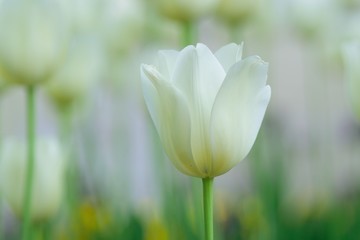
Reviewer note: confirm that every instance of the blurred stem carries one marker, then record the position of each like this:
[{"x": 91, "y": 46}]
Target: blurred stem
[
  {"x": 189, "y": 33},
  {"x": 208, "y": 207},
  {"x": 234, "y": 34},
  {"x": 26, "y": 227},
  {"x": 66, "y": 127}
]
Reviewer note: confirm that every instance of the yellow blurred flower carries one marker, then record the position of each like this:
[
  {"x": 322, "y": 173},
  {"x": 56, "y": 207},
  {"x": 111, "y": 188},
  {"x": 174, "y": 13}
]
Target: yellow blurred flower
[{"x": 156, "y": 230}]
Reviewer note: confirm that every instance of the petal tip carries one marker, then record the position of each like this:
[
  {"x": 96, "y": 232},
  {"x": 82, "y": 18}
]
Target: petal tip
[
  {"x": 201, "y": 47},
  {"x": 151, "y": 73},
  {"x": 258, "y": 61}
]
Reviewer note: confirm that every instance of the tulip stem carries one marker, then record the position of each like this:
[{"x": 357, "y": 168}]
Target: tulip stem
[
  {"x": 188, "y": 33},
  {"x": 26, "y": 226},
  {"x": 208, "y": 207}
]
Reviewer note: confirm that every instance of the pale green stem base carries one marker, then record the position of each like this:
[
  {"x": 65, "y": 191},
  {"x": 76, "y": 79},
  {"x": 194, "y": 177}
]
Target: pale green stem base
[
  {"x": 235, "y": 33},
  {"x": 26, "y": 226},
  {"x": 208, "y": 207},
  {"x": 189, "y": 33}
]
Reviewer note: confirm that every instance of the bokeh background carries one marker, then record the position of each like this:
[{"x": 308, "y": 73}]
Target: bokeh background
[{"x": 301, "y": 179}]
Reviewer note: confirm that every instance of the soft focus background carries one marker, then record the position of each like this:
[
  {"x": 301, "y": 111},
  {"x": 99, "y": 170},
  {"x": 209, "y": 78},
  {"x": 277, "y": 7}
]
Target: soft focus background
[{"x": 301, "y": 179}]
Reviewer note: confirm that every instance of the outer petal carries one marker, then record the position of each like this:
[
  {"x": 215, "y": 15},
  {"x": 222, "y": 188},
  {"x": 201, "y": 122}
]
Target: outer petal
[
  {"x": 238, "y": 112},
  {"x": 199, "y": 75},
  {"x": 166, "y": 62},
  {"x": 229, "y": 55},
  {"x": 170, "y": 114}
]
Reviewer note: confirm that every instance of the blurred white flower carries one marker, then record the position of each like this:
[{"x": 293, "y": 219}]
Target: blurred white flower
[
  {"x": 311, "y": 18},
  {"x": 32, "y": 37},
  {"x": 78, "y": 74},
  {"x": 122, "y": 24},
  {"x": 351, "y": 57},
  {"x": 185, "y": 10},
  {"x": 207, "y": 108},
  {"x": 84, "y": 14},
  {"x": 235, "y": 11},
  {"x": 48, "y": 177}
]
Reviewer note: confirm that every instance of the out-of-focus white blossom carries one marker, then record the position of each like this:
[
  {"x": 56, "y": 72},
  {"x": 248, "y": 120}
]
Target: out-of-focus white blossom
[
  {"x": 79, "y": 72},
  {"x": 48, "y": 185},
  {"x": 236, "y": 11},
  {"x": 311, "y": 18},
  {"x": 33, "y": 39},
  {"x": 84, "y": 14},
  {"x": 122, "y": 24},
  {"x": 185, "y": 10}
]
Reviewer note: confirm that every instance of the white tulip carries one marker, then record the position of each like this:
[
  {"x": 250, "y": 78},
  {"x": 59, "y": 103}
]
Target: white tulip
[
  {"x": 48, "y": 179},
  {"x": 78, "y": 74},
  {"x": 207, "y": 108},
  {"x": 311, "y": 17},
  {"x": 32, "y": 39},
  {"x": 351, "y": 56},
  {"x": 234, "y": 11},
  {"x": 185, "y": 10},
  {"x": 122, "y": 24}
]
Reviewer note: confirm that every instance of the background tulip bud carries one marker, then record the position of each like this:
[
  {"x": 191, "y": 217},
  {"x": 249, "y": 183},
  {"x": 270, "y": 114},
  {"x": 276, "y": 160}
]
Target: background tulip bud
[
  {"x": 48, "y": 177},
  {"x": 33, "y": 38},
  {"x": 207, "y": 107},
  {"x": 185, "y": 10},
  {"x": 235, "y": 11},
  {"x": 118, "y": 18},
  {"x": 79, "y": 72}
]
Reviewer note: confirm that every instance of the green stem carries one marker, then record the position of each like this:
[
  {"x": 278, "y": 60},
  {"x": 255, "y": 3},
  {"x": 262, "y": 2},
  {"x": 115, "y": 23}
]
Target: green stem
[
  {"x": 26, "y": 227},
  {"x": 235, "y": 33},
  {"x": 189, "y": 33},
  {"x": 208, "y": 207}
]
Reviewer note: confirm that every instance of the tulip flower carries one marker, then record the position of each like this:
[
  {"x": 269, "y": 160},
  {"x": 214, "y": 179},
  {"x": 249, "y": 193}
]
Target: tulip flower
[
  {"x": 311, "y": 18},
  {"x": 237, "y": 11},
  {"x": 33, "y": 35},
  {"x": 185, "y": 10},
  {"x": 207, "y": 109},
  {"x": 48, "y": 181},
  {"x": 118, "y": 17},
  {"x": 351, "y": 56},
  {"x": 78, "y": 74}
]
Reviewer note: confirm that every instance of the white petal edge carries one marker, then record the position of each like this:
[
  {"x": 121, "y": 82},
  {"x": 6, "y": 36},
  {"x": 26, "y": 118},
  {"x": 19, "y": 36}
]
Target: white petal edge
[
  {"x": 170, "y": 114},
  {"x": 199, "y": 75},
  {"x": 166, "y": 63},
  {"x": 238, "y": 113},
  {"x": 229, "y": 54}
]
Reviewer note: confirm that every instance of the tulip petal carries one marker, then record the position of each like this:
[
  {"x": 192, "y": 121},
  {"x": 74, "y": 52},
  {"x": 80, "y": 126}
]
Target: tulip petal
[
  {"x": 170, "y": 113},
  {"x": 229, "y": 55},
  {"x": 199, "y": 75},
  {"x": 238, "y": 112},
  {"x": 166, "y": 63}
]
